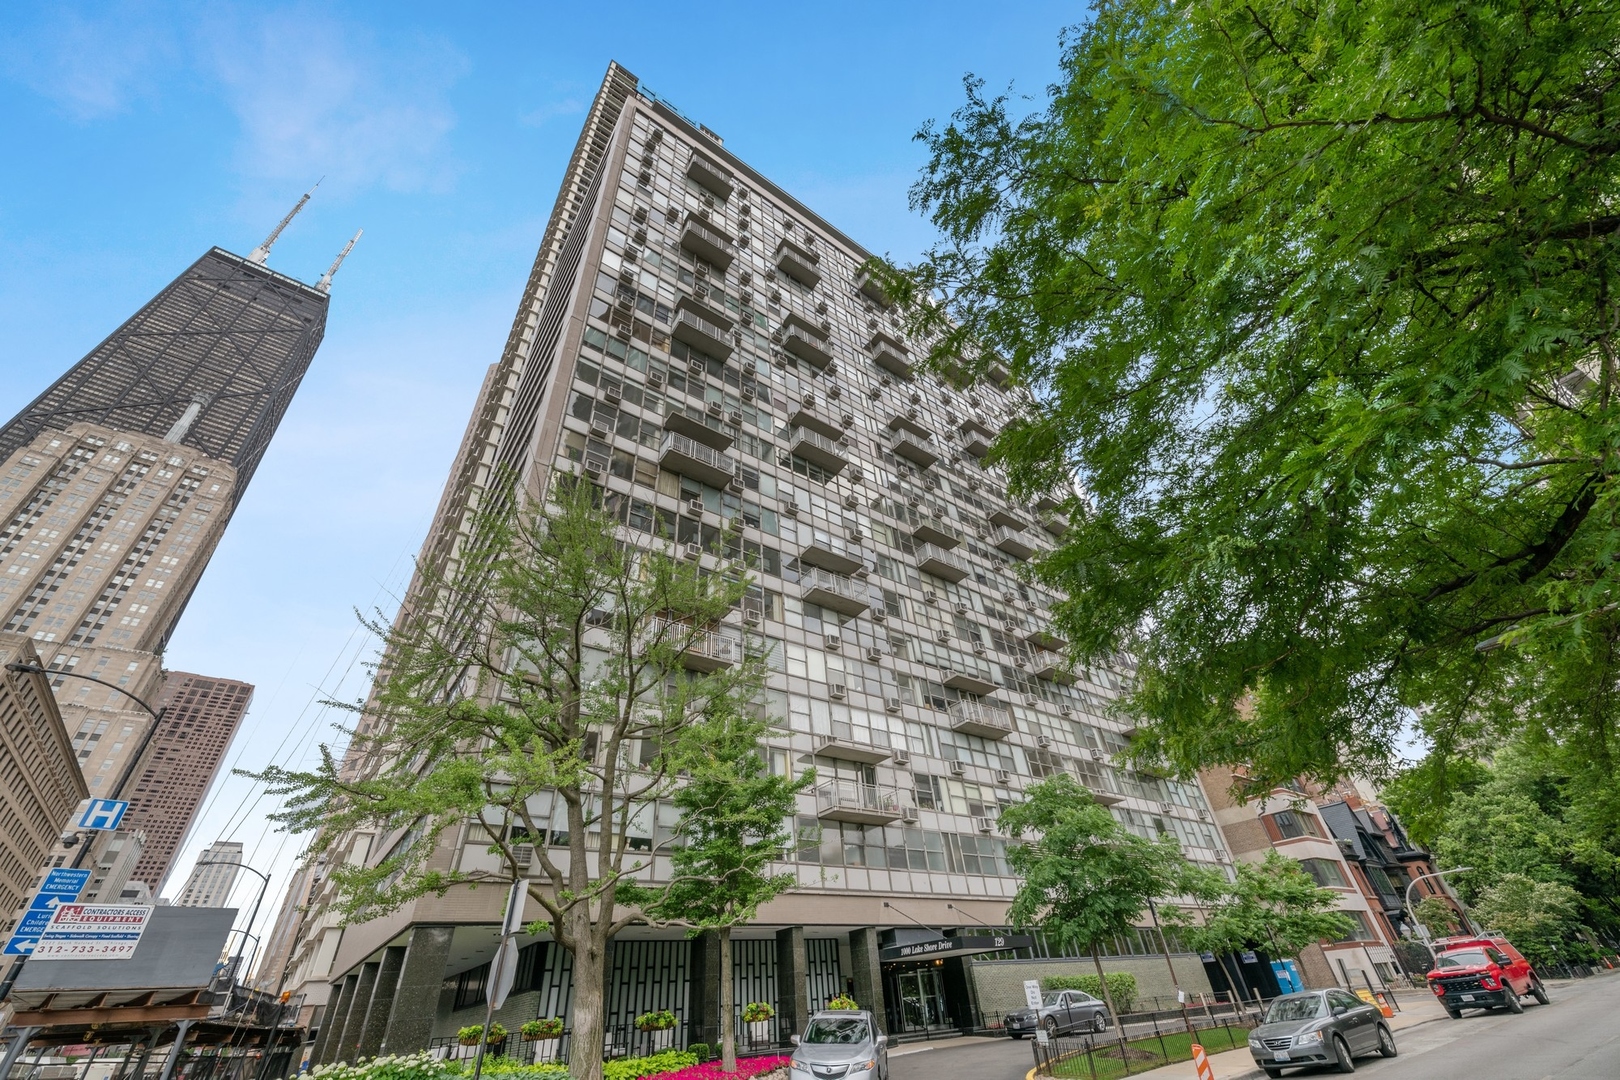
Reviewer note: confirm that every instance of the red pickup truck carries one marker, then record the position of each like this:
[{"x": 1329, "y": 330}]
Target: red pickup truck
[{"x": 1482, "y": 973}]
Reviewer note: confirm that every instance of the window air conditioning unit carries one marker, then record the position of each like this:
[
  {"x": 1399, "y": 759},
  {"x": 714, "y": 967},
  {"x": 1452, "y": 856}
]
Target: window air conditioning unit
[
  {"x": 836, "y": 690},
  {"x": 874, "y": 655},
  {"x": 962, "y": 609},
  {"x": 695, "y": 506},
  {"x": 891, "y": 704},
  {"x": 1030, "y": 700},
  {"x": 734, "y": 486},
  {"x": 901, "y": 757},
  {"x": 601, "y": 427},
  {"x": 1203, "y": 815},
  {"x": 655, "y": 378},
  {"x": 833, "y": 393},
  {"x": 985, "y": 824},
  {"x": 748, "y": 393},
  {"x": 980, "y": 650},
  {"x": 908, "y": 814},
  {"x": 1043, "y": 741},
  {"x": 1166, "y": 808},
  {"x": 1065, "y": 712},
  {"x": 931, "y": 596},
  {"x": 852, "y": 501},
  {"x": 694, "y": 551},
  {"x": 714, "y": 408},
  {"x": 751, "y": 618},
  {"x": 623, "y": 332},
  {"x": 1003, "y": 776},
  {"x": 612, "y": 395},
  {"x": 695, "y": 367},
  {"x": 523, "y": 855},
  {"x": 735, "y": 416},
  {"x": 832, "y": 642},
  {"x": 880, "y": 616},
  {"x": 944, "y": 635},
  {"x": 957, "y": 768}
]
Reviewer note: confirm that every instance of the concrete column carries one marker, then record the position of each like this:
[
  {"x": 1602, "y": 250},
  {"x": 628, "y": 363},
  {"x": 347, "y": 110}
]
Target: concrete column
[
  {"x": 337, "y": 1012},
  {"x": 173, "y": 1059},
  {"x": 416, "y": 993},
  {"x": 792, "y": 974},
  {"x": 863, "y": 959},
  {"x": 359, "y": 1003},
  {"x": 704, "y": 1001},
  {"x": 382, "y": 1001}
]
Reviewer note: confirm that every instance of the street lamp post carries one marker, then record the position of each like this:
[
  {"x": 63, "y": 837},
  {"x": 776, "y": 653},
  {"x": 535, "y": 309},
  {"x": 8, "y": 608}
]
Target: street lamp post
[
  {"x": 1437, "y": 876},
  {"x": 124, "y": 777}
]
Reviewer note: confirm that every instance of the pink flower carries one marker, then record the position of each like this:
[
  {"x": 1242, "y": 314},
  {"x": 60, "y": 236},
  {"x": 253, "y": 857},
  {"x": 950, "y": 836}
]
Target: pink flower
[{"x": 746, "y": 1069}]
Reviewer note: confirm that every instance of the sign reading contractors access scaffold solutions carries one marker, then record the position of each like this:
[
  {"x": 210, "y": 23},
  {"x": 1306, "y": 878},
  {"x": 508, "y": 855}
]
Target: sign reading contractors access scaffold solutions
[{"x": 93, "y": 932}]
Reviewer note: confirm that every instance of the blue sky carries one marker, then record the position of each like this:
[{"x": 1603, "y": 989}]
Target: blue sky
[{"x": 139, "y": 134}]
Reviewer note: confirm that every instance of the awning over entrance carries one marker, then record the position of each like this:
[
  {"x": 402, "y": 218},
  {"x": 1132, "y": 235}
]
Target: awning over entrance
[{"x": 955, "y": 946}]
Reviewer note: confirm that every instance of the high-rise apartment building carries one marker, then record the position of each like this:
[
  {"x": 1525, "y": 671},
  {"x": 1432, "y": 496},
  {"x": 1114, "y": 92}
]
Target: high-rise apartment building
[
  {"x": 40, "y": 782},
  {"x": 200, "y": 717},
  {"x": 116, "y": 484},
  {"x": 214, "y": 876},
  {"x": 704, "y": 348}
]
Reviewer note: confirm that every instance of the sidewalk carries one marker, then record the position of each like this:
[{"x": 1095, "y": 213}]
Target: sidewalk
[{"x": 1417, "y": 1008}]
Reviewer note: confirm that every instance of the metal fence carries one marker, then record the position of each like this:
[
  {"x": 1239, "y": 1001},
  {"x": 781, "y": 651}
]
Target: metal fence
[
  {"x": 1152, "y": 1040},
  {"x": 625, "y": 1040}
]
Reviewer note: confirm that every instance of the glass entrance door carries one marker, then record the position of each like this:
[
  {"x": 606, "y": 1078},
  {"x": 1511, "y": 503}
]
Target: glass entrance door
[{"x": 922, "y": 1000}]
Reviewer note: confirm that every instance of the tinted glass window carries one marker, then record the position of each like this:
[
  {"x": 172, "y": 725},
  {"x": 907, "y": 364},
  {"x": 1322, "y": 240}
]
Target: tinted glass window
[
  {"x": 1300, "y": 1008},
  {"x": 840, "y": 1031},
  {"x": 1464, "y": 958}
]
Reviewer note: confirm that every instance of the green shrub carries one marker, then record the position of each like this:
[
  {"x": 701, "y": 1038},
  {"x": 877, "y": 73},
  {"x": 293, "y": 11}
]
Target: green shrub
[
  {"x": 412, "y": 1067},
  {"x": 755, "y": 1011},
  {"x": 657, "y": 1020},
  {"x": 636, "y": 1068},
  {"x": 701, "y": 1050},
  {"x": 1121, "y": 987}
]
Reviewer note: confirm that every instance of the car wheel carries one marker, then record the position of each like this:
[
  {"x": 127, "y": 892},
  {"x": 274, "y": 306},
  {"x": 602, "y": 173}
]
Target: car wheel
[
  {"x": 1099, "y": 1023},
  {"x": 1455, "y": 1014},
  {"x": 1540, "y": 993},
  {"x": 1016, "y": 1034},
  {"x": 1386, "y": 1042},
  {"x": 1342, "y": 1061},
  {"x": 1051, "y": 1026},
  {"x": 1273, "y": 1073},
  {"x": 1510, "y": 998}
]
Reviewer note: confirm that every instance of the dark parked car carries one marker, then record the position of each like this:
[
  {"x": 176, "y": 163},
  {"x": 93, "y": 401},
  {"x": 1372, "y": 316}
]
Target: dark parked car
[
  {"x": 1482, "y": 973},
  {"x": 1061, "y": 1011},
  {"x": 1319, "y": 1027}
]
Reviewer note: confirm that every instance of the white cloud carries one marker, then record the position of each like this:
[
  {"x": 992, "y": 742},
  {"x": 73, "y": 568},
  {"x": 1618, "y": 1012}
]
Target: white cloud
[
  {"x": 316, "y": 96},
  {"x": 90, "y": 68}
]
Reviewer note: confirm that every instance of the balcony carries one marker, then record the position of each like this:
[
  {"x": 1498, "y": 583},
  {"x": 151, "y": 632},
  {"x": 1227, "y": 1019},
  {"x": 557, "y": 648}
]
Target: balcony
[
  {"x": 808, "y": 414},
  {"x": 703, "y": 239},
  {"x": 1011, "y": 519},
  {"x": 843, "y": 745},
  {"x": 974, "y": 440},
  {"x": 714, "y": 177},
  {"x": 869, "y": 288},
  {"x": 708, "y": 650},
  {"x": 842, "y": 594},
  {"x": 815, "y": 447},
  {"x": 997, "y": 372},
  {"x": 942, "y": 564},
  {"x": 1055, "y": 523},
  {"x": 806, "y": 341},
  {"x": 972, "y": 682},
  {"x": 830, "y": 553},
  {"x": 1105, "y": 797},
  {"x": 1052, "y": 667},
  {"x": 1013, "y": 542},
  {"x": 857, "y": 803},
  {"x": 977, "y": 718},
  {"x": 688, "y": 457},
  {"x": 938, "y": 532},
  {"x": 703, "y": 329},
  {"x": 918, "y": 449},
  {"x": 890, "y": 354},
  {"x": 704, "y": 428},
  {"x": 799, "y": 263},
  {"x": 1044, "y": 637}
]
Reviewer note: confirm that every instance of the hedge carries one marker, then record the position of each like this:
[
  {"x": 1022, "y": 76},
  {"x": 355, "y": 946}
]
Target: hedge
[{"x": 1121, "y": 987}]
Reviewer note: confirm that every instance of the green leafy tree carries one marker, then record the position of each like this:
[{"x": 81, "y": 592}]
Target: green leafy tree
[
  {"x": 1539, "y": 917},
  {"x": 1084, "y": 877},
  {"x": 1273, "y": 905},
  {"x": 733, "y": 827},
  {"x": 1439, "y": 917},
  {"x": 1315, "y": 301},
  {"x": 531, "y": 699}
]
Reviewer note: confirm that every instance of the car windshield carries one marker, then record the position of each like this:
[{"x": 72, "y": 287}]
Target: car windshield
[
  {"x": 1463, "y": 958},
  {"x": 1051, "y": 999},
  {"x": 1294, "y": 1008},
  {"x": 823, "y": 1031}
]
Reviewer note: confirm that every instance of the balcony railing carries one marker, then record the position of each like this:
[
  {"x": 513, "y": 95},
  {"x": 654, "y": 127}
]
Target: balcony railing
[
  {"x": 969, "y": 678},
  {"x": 1052, "y": 667},
  {"x": 688, "y": 457},
  {"x": 977, "y": 718},
  {"x": 871, "y": 289},
  {"x": 816, "y": 447},
  {"x": 1014, "y": 542},
  {"x": 913, "y": 447},
  {"x": 861, "y": 804},
  {"x": 835, "y": 591},
  {"x": 702, "y": 333},
  {"x": 701, "y": 238},
  {"x": 830, "y": 553},
  {"x": 1055, "y": 523},
  {"x": 808, "y": 345},
  {"x": 799, "y": 263},
  {"x": 938, "y": 532},
  {"x": 1010, "y": 518},
  {"x": 1044, "y": 637},
  {"x": 843, "y": 745},
  {"x": 890, "y": 355},
  {"x": 942, "y": 564},
  {"x": 704, "y": 650},
  {"x": 710, "y": 175},
  {"x": 813, "y": 415}
]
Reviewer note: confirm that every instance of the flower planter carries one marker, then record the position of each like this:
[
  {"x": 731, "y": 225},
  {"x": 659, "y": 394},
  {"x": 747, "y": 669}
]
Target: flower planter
[
  {"x": 659, "y": 1039},
  {"x": 544, "y": 1049},
  {"x": 759, "y": 1032}
]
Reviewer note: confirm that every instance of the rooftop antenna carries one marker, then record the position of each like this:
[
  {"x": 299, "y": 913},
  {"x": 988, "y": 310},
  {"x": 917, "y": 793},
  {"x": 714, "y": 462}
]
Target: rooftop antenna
[
  {"x": 325, "y": 284},
  {"x": 262, "y": 252}
]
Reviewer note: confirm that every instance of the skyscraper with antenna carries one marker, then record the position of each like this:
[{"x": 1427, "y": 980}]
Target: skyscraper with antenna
[{"x": 116, "y": 484}]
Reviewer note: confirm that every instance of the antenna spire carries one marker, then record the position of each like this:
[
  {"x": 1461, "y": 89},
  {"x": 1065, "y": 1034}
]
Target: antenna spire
[
  {"x": 262, "y": 252},
  {"x": 325, "y": 284}
]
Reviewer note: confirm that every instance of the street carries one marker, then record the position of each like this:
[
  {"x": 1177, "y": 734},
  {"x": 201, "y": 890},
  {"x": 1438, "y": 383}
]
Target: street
[{"x": 1575, "y": 1038}]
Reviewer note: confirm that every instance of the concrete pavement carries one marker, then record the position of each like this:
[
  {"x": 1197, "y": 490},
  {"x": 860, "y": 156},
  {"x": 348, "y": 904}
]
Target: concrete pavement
[{"x": 1574, "y": 1038}]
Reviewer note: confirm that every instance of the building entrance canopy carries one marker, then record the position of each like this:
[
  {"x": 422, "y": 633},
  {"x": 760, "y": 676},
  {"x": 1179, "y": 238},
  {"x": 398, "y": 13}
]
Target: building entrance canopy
[{"x": 955, "y": 946}]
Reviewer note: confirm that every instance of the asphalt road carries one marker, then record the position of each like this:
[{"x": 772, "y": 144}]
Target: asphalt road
[{"x": 1575, "y": 1038}]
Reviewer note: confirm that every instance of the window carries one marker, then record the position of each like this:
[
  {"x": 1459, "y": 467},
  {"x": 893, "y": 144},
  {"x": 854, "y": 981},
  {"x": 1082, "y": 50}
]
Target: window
[
  {"x": 1325, "y": 872},
  {"x": 1289, "y": 824},
  {"x": 1360, "y": 931}
]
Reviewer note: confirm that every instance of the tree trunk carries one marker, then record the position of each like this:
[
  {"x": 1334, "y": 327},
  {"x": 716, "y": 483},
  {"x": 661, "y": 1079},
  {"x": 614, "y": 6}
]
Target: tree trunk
[
  {"x": 586, "y": 1043},
  {"x": 1108, "y": 999},
  {"x": 728, "y": 1028}
]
